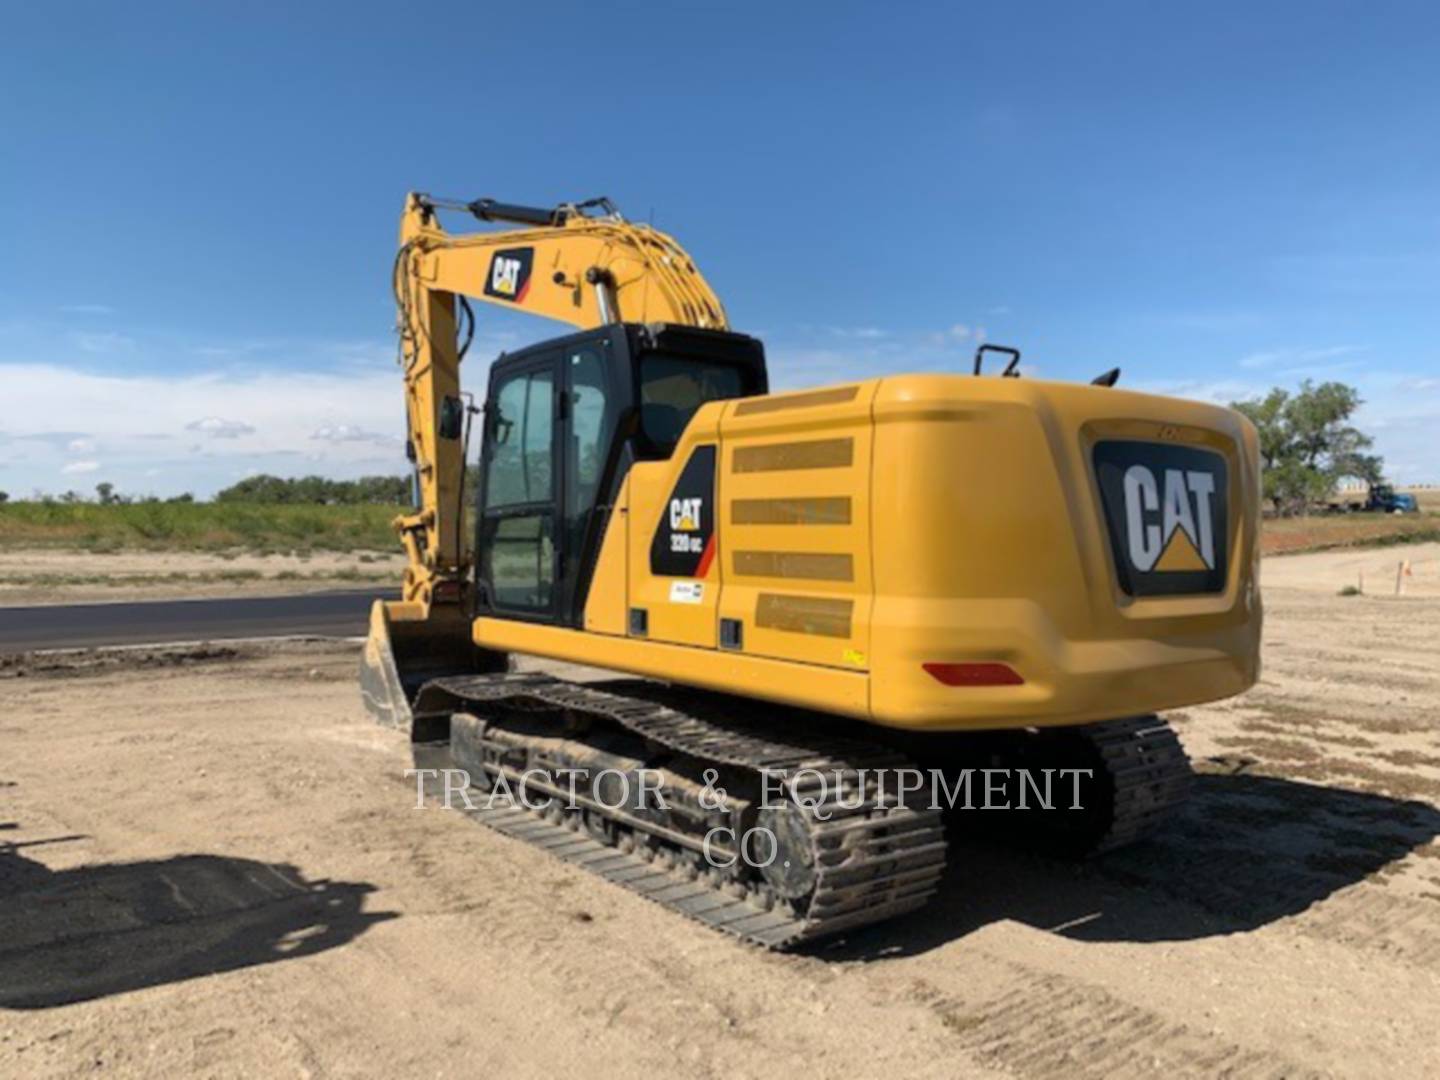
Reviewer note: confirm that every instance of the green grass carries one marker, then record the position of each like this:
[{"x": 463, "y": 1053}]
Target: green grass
[
  {"x": 348, "y": 575},
  {"x": 230, "y": 527},
  {"x": 197, "y": 527}
]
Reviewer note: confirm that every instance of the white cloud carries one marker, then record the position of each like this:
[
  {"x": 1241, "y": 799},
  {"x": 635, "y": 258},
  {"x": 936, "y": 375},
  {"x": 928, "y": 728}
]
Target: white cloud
[
  {"x": 957, "y": 334},
  {"x": 350, "y": 433},
  {"x": 126, "y": 414},
  {"x": 87, "y": 309},
  {"x": 105, "y": 342},
  {"x": 217, "y": 428},
  {"x": 355, "y": 416},
  {"x": 1259, "y": 359},
  {"x": 79, "y": 467},
  {"x": 81, "y": 446},
  {"x": 1299, "y": 358}
]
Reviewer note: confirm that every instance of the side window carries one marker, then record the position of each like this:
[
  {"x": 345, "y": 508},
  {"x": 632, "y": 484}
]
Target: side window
[
  {"x": 520, "y": 468},
  {"x": 591, "y": 421}
]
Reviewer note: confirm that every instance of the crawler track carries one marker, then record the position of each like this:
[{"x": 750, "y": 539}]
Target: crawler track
[
  {"x": 874, "y": 857},
  {"x": 1149, "y": 774},
  {"x": 863, "y": 853}
]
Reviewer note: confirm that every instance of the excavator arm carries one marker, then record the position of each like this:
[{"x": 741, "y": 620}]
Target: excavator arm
[{"x": 580, "y": 263}]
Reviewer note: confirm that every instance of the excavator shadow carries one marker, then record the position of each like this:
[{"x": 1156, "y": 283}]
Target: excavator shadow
[
  {"x": 1247, "y": 850},
  {"x": 76, "y": 935}
]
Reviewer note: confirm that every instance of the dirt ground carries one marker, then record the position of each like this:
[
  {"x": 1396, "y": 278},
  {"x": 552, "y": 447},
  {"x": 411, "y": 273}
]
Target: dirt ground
[
  {"x": 54, "y": 576},
  {"x": 1373, "y": 571},
  {"x": 214, "y": 867}
]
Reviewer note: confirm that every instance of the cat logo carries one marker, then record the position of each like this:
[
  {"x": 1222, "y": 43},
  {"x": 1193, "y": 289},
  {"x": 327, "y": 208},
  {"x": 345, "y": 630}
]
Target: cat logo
[
  {"x": 685, "y": 514},
  {"x": 684, "y": 542},
  {"x": 1183, "y": 537},
  {"x": 1165, "y": 508},
  {"x": 505, "y": 276},
  {"x": 509, "y": 277}
]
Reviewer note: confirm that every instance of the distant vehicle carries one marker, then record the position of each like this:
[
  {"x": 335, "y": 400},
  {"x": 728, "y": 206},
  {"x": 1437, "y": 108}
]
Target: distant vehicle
[
  {"x": 1378, "y": 499},
  {"x": 1386, "y": 500}
]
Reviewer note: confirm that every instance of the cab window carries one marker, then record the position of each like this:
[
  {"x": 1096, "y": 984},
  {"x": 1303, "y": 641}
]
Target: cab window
[
  {"x": 519, "y": 469},
  {"x": 673, "y": 387},
  {"x": 592, "y": 422}
]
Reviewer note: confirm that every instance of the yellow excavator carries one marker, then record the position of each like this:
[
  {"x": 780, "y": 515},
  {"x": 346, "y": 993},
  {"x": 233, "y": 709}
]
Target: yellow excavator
[{"x": 831, "y": 607}]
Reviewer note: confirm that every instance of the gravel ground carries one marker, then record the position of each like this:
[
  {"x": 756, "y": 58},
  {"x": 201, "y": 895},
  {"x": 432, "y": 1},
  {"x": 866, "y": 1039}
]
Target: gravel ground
[{"x": 210, "y": 863}]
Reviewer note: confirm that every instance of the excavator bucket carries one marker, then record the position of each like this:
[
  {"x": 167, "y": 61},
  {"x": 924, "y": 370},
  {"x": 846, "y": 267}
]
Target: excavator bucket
[{"x": 406, "y": 648}]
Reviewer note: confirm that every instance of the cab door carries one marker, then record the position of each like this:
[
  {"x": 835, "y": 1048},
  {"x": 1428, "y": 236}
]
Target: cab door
[
  {"x": 519, "y": 536},
  {"x": 546, "y": 462}
]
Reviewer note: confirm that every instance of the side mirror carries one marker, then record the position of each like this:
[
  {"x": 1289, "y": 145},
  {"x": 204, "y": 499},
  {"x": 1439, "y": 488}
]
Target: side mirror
[{"x": 452, "y": 418}]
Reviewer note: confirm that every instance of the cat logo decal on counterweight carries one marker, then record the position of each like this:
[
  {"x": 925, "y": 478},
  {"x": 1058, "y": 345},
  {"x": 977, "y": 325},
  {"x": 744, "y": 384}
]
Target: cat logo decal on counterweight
[
  {"x": 1184, "y": 537},
  {"x": 509, "y": 276},
  {"x": 1165, "y": 509}
]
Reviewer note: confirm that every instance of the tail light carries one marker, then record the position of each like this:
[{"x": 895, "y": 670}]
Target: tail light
[{"x": 974, "y": 674}]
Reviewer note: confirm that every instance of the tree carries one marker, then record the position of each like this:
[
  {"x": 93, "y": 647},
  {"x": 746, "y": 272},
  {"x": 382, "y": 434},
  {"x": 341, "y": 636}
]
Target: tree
[
  {"x": 1307, "y": 443},
  {"x": 4, "y": 497},
  {"x": 105, "y": 492},
  {"x": 393, "y": 490}
]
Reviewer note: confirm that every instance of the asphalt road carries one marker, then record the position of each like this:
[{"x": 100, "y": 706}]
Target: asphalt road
[{"x": 71, "y": 626}]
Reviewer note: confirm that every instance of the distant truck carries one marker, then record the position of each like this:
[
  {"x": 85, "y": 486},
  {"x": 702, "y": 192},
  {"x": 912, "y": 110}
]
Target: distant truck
[
  {"x": 1379, "y": 498},
  {"x": 1386, "y": 500}
]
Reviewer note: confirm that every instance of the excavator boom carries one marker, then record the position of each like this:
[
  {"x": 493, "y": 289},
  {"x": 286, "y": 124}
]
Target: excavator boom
[
  {"x": 567, "y": 265},
  {"x": 579, "y": 263}
]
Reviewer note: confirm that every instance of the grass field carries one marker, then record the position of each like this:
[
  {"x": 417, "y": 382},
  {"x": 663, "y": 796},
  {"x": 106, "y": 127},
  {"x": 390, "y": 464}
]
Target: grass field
[
  {"x": 267, "y": 529},
  {"x": 197, "y": 527},
  {"x": 1289, "y": 535}
]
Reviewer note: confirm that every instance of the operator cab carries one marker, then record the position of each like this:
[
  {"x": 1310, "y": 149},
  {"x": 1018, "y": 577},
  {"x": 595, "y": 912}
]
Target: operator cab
[{"x": 564, "y": 421}]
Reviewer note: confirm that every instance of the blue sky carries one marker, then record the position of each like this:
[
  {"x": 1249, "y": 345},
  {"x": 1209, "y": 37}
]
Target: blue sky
[{"x": 198, "y": 203}]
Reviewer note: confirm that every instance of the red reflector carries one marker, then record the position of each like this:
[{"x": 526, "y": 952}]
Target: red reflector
[{"x": 974, "y": 674}]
